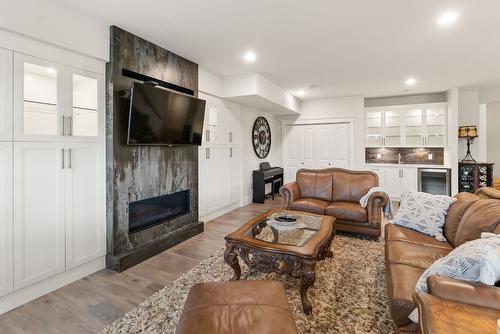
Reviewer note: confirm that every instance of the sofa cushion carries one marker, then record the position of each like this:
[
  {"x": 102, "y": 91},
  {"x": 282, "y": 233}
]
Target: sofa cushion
[
  {"x": 414, "y": 255},
  {"x": 400, "y": 233},
  {"x": 456, "y": 213},
  {"x": 401, "y": 280},
  {"x": 315, "y": 184},
  {"x": 350, "y": 186},
  {"x": 482, "y": 216},
  {"x": 313, "y": 205},
  {"x": 348, "y": 211}
]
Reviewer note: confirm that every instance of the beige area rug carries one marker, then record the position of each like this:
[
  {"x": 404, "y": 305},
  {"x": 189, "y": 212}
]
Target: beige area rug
[{"x": 349, "y": 295}]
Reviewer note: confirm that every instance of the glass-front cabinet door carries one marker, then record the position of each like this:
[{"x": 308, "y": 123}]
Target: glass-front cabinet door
[
  {"x": 414, "y": 127},
  {"x": 374, "y": 128},
  {"x": 54, "y": 102},
  {"x": 392, "y": 127},
  {"x": 435, "y": 125},
  {"x": 86, "y": 115},
  {"x": 38, "y": 113}
]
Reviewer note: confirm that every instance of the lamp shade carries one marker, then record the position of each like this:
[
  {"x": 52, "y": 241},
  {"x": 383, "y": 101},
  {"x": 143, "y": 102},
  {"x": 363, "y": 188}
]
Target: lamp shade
[{"x": 468, "y": 131}]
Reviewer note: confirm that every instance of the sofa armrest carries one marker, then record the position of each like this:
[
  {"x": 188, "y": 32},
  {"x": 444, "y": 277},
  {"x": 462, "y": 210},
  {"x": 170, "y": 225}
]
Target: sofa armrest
[
  {"x": 376, "y": 202},
  {"x": 488, "y": 192},
  {"x": 290, "y": 193},
  {"x": 475, "y": 294}
]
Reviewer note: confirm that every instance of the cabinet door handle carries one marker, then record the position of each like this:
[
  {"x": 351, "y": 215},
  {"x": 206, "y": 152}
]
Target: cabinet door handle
[
  {"x": 207, "y": 153},
  {"x": 62, "y": 158},
  {"x": 70, "y": 158},
  {"x": 207, "y": 135},
  {"x": 63, "y": 120},
  {"x": 230, "y": 152},
  {"x": 70, "y": 125},
  {"x": 230, "y": 137}
]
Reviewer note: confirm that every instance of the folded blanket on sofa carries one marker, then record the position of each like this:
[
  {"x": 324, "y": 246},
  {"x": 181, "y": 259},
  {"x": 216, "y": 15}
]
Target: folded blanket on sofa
[{"x": 387, "y": 209}]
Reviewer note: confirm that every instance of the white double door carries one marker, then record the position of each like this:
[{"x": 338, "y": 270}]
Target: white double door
[
  {"x": 58, "y": 208},
  {"x": 316, "y": 146}
]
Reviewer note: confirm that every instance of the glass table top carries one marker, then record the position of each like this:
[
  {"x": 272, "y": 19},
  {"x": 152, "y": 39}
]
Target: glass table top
[{"x": 274, "y": 229}]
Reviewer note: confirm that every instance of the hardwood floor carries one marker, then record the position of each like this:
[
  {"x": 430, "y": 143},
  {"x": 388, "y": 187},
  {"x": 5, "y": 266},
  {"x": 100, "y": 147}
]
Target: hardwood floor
[{"x": 89, "y": 304}]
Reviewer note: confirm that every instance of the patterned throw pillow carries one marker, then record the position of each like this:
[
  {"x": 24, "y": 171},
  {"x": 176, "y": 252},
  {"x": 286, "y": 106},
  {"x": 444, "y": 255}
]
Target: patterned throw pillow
[
  {"x": 473, "y": 261},
  {"x": 423, "y": 212}
]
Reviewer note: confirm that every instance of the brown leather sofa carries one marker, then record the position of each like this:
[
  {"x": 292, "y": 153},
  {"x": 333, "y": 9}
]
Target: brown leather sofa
[
  {"x": 473, "y": 308},
  {"x": 336, "y": 192},
  {"x": 408, "y": 253}
]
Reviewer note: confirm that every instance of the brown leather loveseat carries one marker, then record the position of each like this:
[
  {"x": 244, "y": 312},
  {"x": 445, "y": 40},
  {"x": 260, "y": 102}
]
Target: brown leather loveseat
[
  {"x": 336, "y": 192},
  {"x": 408, "y": 253}
]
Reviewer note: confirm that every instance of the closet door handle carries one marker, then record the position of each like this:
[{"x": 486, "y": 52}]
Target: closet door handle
[
  {"x": 70, "y": 158},
  {"x": 62, "y": 158}
]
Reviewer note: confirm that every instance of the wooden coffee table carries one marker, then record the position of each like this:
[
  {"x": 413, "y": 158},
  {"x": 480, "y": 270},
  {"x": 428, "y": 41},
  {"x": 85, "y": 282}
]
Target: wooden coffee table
[{"x": 286, "y": 250}]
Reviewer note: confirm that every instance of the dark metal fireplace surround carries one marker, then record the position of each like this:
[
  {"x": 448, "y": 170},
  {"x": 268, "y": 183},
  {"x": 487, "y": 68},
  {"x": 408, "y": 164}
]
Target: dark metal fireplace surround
[
  {"x": 152, "y": 191},
  {"x": 149, "y": 212}
]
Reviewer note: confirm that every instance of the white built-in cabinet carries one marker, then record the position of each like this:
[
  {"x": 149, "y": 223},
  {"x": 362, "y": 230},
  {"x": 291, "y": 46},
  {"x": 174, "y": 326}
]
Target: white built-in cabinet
[
  {"x": 316, "y": 146},
  {"x": 396, "y": 180},
  {"x": 39, "y": 211},
  {"x": 219, "y": 157},
  {"x": 53, "y": 102},
  {"x": 84, "y": 203},
  {"x": 52, "y": 181},
  {"x": 5, "y": 95},
  {"x": 6, "y": 222},
  {"x": 406, "y": 126}
]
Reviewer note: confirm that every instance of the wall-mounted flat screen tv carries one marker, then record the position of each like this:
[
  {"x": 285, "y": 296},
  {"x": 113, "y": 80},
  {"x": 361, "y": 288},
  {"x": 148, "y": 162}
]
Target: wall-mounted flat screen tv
[{"x": 161, "y": 117}]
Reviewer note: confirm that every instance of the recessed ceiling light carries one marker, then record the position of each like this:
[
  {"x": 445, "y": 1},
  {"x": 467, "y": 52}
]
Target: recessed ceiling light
[
  {"x": 50, "y": 70},
  {"x": 410, "y": 81},
  {"x": 447, "y": 18},
  {"x": 250, "y": 57}
]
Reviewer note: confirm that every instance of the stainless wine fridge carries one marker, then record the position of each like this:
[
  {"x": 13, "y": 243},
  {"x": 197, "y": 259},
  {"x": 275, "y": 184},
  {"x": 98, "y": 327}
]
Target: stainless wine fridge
[{"x": 435, "y": 181}]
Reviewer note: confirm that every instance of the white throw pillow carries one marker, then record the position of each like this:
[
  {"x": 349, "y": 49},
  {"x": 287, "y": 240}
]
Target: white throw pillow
[
  {"x": 474, "y": 261},
  {"x": 423, "y": 212}
]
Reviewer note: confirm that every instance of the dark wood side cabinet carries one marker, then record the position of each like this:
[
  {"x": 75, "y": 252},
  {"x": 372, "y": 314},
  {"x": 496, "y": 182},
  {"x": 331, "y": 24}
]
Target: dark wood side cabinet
[{"x": 474, "y": 175}]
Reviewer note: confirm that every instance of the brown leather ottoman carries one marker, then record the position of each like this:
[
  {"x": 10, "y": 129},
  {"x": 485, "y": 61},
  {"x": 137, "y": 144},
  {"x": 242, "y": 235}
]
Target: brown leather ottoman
[{"x": 237, "y": 307}]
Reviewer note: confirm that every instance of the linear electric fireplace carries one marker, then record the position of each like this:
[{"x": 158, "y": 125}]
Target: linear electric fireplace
[{"x": 153, "y": 211}]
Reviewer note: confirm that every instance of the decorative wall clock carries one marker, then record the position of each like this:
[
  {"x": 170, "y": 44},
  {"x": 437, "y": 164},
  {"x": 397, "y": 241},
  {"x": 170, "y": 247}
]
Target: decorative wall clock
[{"x": 261, "y": 137}]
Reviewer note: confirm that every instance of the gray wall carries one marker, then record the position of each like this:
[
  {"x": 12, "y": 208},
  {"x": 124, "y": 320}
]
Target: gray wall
[
  {"x": 140, "y": 172},
  {"x": 405, "y": 99}
]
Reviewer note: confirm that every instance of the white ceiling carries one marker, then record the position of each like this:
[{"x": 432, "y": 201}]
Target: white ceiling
[{"x": 334, "y": 47}]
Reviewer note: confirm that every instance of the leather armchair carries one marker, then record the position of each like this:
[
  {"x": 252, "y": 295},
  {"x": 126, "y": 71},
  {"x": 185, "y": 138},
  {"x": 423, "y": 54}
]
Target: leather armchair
[
  {"x": 336, "y": 192},
  {"x": 475, "y": 307}
]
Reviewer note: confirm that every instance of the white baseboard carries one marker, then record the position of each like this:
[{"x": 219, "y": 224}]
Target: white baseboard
[
  {"x": 246, "y": 200},
  {"x": 220, "y": 212},
  {"x": 29, "y": 293}
]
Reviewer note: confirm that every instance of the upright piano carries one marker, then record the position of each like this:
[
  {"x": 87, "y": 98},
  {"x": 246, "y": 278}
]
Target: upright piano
[{"x": 266, "y": 175}]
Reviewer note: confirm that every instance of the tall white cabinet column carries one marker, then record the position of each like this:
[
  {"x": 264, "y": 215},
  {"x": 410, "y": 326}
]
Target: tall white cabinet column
[
  {"x": 6, "y": 224},
  {"x": 52, "y": 222}
]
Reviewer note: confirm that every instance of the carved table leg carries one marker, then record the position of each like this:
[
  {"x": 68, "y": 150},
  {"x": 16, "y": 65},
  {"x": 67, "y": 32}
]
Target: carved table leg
[
  {"x": 231, "y": 259},
  {"x": 308, "y": 279}
]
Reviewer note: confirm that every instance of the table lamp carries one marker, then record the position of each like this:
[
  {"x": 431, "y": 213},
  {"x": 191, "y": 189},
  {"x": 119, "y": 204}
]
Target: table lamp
[{"x": 468, "y": 132}]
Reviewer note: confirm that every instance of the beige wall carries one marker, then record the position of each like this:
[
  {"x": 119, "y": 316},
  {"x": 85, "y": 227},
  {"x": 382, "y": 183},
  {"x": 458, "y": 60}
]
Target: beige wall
[{"x": 493, "y": 136}]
